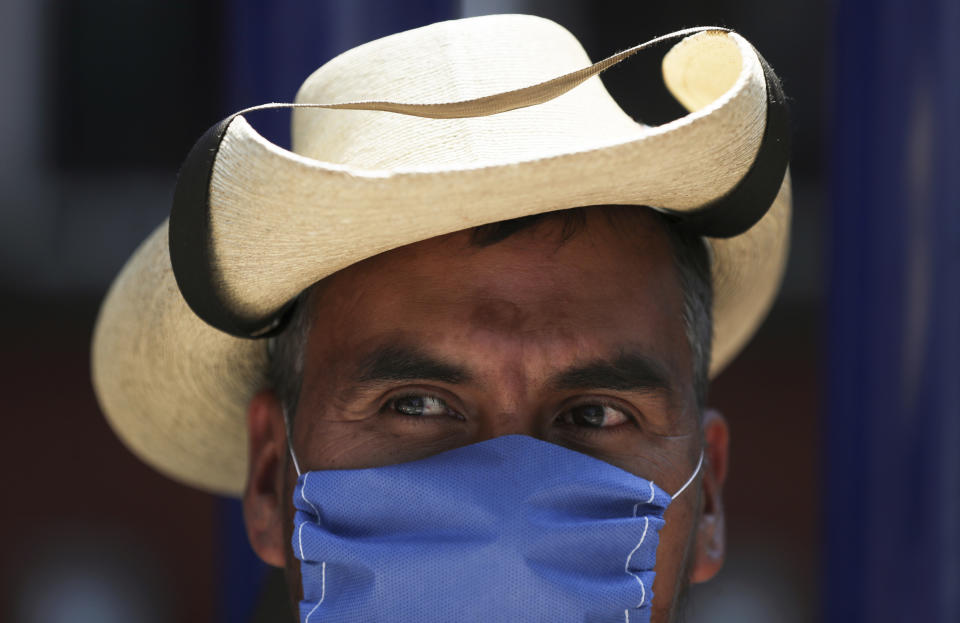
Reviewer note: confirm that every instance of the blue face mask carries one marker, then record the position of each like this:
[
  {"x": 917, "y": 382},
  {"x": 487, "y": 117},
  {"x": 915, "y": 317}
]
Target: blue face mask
[{"x": 509, "y": 529}]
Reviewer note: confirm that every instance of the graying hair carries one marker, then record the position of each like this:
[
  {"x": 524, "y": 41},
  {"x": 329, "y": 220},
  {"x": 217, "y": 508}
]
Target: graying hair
[
  {"x": 285, "y": 353},
  {"x": 691, "y": 259}
]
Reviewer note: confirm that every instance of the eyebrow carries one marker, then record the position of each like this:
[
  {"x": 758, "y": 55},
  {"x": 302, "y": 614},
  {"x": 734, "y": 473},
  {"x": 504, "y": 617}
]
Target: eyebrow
[
  {"x": 401, "y": 362},
  {"x": 628, "y": 372}
]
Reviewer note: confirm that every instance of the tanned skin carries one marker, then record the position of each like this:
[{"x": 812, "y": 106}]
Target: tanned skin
[{"x": 579, "y": 341}]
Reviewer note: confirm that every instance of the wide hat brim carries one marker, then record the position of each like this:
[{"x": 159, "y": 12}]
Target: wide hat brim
[{"x": 174, "y": 358}]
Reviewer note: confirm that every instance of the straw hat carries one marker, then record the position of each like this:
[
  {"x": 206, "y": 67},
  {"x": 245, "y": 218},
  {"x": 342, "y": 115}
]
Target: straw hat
[{"x": 453, "y": 125}]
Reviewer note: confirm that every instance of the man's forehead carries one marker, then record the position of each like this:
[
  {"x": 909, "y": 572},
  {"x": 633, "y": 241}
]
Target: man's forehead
[
  {"x": 548, "y": 257},
  {"x": 533, "y": 302}
]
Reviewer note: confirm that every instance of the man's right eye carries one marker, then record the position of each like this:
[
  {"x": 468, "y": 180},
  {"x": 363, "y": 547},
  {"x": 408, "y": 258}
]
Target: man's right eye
[{"x": 420, "y": 405}]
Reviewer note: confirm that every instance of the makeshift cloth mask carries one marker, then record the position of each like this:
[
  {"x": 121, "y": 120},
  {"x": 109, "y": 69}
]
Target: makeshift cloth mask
[{"x": 509, "y": 529}]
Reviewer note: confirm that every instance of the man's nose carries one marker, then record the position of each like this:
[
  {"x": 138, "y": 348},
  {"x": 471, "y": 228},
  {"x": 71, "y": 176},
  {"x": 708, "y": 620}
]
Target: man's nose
[{"x": 515, "y": 421}]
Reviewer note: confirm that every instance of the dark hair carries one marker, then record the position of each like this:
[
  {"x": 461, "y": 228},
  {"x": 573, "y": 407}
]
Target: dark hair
[{"x": 691, "y": 259}]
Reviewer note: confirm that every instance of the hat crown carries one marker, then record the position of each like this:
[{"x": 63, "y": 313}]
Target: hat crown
[{"x": 447, "y": 62}]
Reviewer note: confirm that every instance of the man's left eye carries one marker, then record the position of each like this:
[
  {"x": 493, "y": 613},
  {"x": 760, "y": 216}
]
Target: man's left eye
[{"x": 594, "y": 416}]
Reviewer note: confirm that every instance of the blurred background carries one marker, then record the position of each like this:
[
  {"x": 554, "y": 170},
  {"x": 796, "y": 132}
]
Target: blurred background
[{"x": 843, "y": 500}]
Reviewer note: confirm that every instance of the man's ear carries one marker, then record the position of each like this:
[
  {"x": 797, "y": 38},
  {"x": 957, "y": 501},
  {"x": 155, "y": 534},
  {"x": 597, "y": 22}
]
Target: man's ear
[
  {"x": 264, "y": 497},
  {"x": 710, "y": 546}
]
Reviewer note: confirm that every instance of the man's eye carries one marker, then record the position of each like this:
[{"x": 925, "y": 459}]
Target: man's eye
[
  {"x": 419, "y": 406},
  {"x": 594, "y": 416}
]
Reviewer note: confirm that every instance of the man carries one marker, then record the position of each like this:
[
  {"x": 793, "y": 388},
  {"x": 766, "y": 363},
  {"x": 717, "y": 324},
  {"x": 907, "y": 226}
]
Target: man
[{"x": 447, "y": 276}]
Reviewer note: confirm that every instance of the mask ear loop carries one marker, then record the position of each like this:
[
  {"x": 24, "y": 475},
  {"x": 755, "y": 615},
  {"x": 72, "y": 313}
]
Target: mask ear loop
[
  {"x": 289, "y": 428},
  {"x": 689, "y": 480}
]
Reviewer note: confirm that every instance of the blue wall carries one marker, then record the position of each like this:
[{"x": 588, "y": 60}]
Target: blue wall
[{"x": 891, "y": 509}]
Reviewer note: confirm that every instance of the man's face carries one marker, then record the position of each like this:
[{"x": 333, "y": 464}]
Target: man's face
[{"x": 440, "y": 344}]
